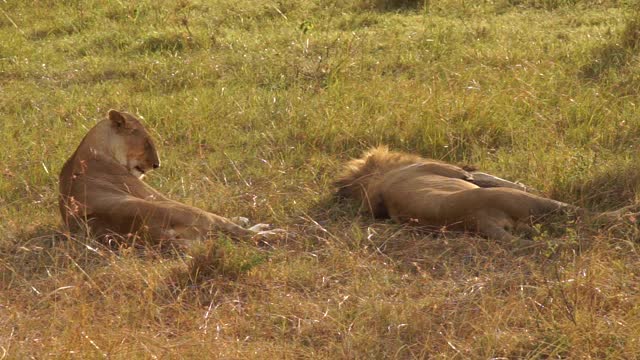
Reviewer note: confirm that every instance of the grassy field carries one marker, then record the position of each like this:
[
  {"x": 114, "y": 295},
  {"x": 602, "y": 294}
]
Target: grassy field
[{"x": 254, "y": 105}]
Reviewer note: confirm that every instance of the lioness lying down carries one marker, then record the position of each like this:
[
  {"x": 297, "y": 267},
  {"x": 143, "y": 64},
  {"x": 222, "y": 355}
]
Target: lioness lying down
[
  {"x": 101, "y": 188},
  {"x": 408, "y": 188}
]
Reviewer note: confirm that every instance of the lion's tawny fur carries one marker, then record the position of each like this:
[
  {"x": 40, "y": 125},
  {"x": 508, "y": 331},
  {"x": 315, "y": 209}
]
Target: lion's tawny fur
[
  {"x": 101, "y": 189},
  {"x": 407, "y": 187}
]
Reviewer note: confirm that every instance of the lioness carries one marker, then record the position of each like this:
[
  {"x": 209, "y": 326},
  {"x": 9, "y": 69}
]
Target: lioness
[
  {"x": 101, "y": 187},
  {"x": 408, "y": 188}
]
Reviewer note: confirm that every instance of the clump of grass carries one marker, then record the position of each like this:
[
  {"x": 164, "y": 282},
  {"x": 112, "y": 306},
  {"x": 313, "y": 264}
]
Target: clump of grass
[
  {"x": 630, "y": 37},
  {"x": 166, "y": 41},
  {"x": 542, "y": 4},
  {"x": 555, "y": 4},
  {"x": 59, "y": 30},
  {"x": 392, "y": 4},
  {"x": 608, "y": 187},
  {"x": 127, "y": 12},
  {"x": 218, "y": 259}
]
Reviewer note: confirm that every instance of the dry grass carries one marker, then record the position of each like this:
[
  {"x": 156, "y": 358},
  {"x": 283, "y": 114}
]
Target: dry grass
[{"x": 254, "y": 106}]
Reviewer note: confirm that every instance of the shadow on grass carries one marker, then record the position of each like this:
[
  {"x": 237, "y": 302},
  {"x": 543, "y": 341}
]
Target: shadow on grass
[
  {"x": 32, "y": 254},
  {"x": 167, "y": 41},
  {"x": 44, "y": 251},
  {"x": 609, "y": 189},
  {"x": 392, "y": 5},
  {"x": 433, "y": 250}
]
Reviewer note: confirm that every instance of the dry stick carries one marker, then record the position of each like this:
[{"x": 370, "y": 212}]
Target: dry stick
[
  {"x": 237, "y": 170},
  {"x": 13, "y": 22}
]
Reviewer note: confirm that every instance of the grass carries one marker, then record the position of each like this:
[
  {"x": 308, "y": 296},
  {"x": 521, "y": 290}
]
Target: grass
[{"x": 254, "y": 106}]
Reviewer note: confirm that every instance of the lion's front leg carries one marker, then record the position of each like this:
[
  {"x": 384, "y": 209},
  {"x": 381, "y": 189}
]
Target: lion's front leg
[
  {"x": 161, "y": 220},
  {"x": 206, "y": 224}
]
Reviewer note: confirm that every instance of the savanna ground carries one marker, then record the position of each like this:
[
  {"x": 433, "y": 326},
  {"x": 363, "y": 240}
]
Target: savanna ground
[{"x": 254, "y": 105}]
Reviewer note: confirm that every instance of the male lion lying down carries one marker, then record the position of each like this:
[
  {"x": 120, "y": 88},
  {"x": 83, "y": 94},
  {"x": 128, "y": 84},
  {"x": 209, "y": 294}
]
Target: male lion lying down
[
  {"x": 431, "y": 193},
  {"x": 101, "y": 187}
]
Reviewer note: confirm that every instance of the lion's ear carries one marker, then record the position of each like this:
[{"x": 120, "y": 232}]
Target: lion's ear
[{"x": 117, "y": 118}]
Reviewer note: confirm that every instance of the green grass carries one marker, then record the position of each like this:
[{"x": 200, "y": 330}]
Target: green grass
[{"x": 254, "y": 106}]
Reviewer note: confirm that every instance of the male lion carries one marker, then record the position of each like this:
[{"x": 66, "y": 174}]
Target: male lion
[
  {"x": 408, "y": 188},
  {"x": 101, "y": 187}
]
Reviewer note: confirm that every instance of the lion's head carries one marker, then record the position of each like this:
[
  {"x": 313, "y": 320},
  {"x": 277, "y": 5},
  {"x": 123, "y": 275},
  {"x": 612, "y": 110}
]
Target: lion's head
[{"x": 131, "y": 144}]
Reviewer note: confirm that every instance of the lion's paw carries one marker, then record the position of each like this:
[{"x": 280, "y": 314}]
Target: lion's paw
[
  {"x": 266, "y": 237},
  {"x": 241, "y": 221},
  {"x": 260, "y": 227}
]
